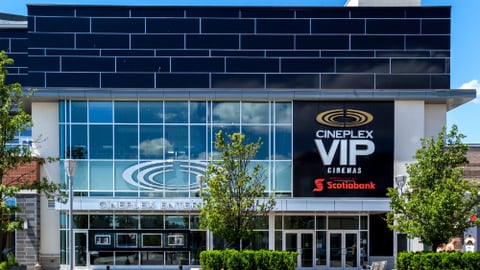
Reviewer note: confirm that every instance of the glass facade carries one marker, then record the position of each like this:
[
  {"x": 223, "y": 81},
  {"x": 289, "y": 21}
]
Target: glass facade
[{"x": 158, "y": 148}]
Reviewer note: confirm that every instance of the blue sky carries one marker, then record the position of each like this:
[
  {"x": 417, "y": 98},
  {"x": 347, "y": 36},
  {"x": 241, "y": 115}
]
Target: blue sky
[{"x": 465, "y": 54}]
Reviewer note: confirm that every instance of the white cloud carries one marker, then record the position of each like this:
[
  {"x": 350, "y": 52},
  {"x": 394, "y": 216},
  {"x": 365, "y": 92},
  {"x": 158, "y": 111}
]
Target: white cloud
[
  {"x": 473, "y": 84},
  {"x": 155, "y": 146}
]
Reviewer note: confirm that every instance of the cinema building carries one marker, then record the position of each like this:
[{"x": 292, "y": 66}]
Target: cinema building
[{"x": 340, "y": 97}]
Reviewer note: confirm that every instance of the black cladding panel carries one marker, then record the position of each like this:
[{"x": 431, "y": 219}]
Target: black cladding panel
[{"x": 234, "y": 47}]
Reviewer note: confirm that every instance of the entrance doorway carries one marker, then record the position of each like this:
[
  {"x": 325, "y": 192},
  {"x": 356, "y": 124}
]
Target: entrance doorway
[
  {"x": 343, "y": 250},
  {"x": 80, "y": 243},
  {"x": 301, "y": 242}
]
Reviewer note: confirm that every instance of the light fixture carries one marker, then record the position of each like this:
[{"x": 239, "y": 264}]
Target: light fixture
[
  {"x": 70, "y": 166},
  {"x": 25, "y": 224},
  {"x": 200, "y": 183},
  {"x": 400, "y": 181}
]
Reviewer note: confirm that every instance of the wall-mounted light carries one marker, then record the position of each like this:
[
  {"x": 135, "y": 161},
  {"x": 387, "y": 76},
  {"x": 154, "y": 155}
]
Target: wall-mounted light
[
  {"x": 25, "y": 224},
  {"x": 400, "y": 181}
]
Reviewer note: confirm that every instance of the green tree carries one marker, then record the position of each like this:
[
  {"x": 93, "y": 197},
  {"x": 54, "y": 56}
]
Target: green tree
[
  {"x": 14, "y": 120},
  {"x": 437, "y": 202},
  {"x": 235, "y": 191}
]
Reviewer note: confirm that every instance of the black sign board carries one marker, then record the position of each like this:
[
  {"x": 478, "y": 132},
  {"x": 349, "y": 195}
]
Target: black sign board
[{"x": 343, "y": 149}]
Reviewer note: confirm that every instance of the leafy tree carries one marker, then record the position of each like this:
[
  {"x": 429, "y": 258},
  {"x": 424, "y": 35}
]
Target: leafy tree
[
  {"x": 438, "y": 202},
  {"x": 235, "y": 191},
  {"x": 14, "y": 120}
]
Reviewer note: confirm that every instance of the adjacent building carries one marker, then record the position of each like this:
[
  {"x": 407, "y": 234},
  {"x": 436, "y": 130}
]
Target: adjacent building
[{"x": 340, "y": 97}]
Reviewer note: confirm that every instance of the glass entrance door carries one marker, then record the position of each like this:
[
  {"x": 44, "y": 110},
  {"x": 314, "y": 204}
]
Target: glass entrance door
[
  {"x": 301, "y": 242},
  {"x": 343, "y": 250},
  {"x": 80, "y": 244}
]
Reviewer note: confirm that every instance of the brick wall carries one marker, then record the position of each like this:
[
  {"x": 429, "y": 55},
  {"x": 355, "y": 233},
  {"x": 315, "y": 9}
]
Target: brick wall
[
  {"x": 472, "y": 170},
  {"x": 29, "y": 172}
]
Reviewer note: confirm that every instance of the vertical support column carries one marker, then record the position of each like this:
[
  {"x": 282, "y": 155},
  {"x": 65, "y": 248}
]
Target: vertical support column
[{"x": 28, "y": 241}]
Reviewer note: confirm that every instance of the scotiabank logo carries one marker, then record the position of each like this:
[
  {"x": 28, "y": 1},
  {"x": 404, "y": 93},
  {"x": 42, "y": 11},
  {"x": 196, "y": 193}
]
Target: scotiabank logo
[
  {"x": 318, "y": 184},
  {"x": 342, "y": 185}
]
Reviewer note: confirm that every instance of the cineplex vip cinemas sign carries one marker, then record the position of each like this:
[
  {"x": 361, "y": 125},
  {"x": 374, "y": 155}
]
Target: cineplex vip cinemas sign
[{"x": 343, "y": 149}]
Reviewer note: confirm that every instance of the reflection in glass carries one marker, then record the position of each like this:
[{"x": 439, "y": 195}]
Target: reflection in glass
[
  {"x": 198, "y": 112},
  {"x": 126, "y": 240},
  {"x": 198, "y": 243},
  {"x": 126, "y": 221},
  {"x": 102, "y": 258},
  {"x": 133, "y": 132},
  {"x": 198, "y": 142},
  {"x": 80, "y": 221},
  {"x": 253, "y": 134},
  {"x": 176, "y": 222},
  {"x": 120, "y": 183},
  {"x": 177, "y": 258},
  {"x": 307, "y": 249},
  {"x": 79, "y": 111},
  {"x": 152, "y": 240},
  {"x": 335, "y": 249},
  {"x": 176, "y": 112},
  {"x": 101, "y": 175},
  {"x": 77, "y": 149},
  {"x": 298, "y": 222},
  {"x": 151, "y": 222},
  {"x": 126, "y": 258},
  {"x": 152, "y": 143},
  {"x": 363, "y": 249},
  {"x": 343, "y": 222},
  {"x": 126, "y": 112},
  {"x": 258, "y": 241},
  {"x": 101, "y": 142},
  {"x": 80, "y": 181},
  {"x": 177, "y": 138},
  {"x": 321, "y": 222},
  {"x": 101, "y": 222},
  {"x": 152, "y": 258},
  {"x": 255, "y": 112},
  {"x": 100, "y": 111},
  {"x": 351, "y": 245},
  {"x": 283, "y": 176},
  {"x": 126, "y": 141},
  {"x": 283, "y": 112},
  {"x": 283, "y": 143},
  {"x": 151, "y": 112},
  {"x": 321, "y": 248},
  {"x": 226, "y": 112}
]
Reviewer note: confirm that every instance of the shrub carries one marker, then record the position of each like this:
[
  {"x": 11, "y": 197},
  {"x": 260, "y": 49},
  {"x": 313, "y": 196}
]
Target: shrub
[
  {"x": 248, "y": 260},
  {"x": 9, "y": 262},
  {"x": 438, "y": 261}
]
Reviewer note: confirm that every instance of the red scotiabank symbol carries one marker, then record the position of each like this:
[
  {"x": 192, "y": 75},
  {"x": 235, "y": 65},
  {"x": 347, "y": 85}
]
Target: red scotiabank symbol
[
  {"x": 318, "y": 184},
  {"x": 345, "y": 185}
]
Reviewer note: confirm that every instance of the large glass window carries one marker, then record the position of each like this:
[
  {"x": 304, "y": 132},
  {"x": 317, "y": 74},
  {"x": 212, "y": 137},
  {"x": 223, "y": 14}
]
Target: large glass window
[
  {"x": 101, "y": 142},
  {"x": 78, "y": 112},
  {"x": 158, "y": 148},
  {"x": 152, "y": 144},
  {"x": 176, "y": 222},
  {"x": 255, "y": 112},
  {"x": 126, "y": 112},
  {"x": 101, "y": 175},
  {"x": 126, "y": 142},
  {"x": 78, "y": 146},
  {"x": 176, "y": 112},
  {"x": 151, "y": 222},
  {"x": 126, "y": 222},
  {"x": 100, "y": 112},
  {"x": 226, "y": 112},
  {"x": 176, "y": 142}
]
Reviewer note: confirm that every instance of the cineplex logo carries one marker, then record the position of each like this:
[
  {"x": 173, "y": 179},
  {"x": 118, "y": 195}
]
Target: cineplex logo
[
  {"x": 344, "y": 139},
  {"x": 341, "y": 184}
]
